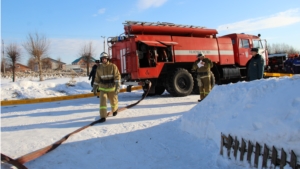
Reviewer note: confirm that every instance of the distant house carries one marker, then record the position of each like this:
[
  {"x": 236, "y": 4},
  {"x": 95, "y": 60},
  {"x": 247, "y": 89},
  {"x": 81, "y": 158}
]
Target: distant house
[
  {"x": 53, "y": 64},
  {"x": 82, "y": 63},
  {"x": 70, "y": 67},
  {"x": 20, "y": 68},
  {"x": 76, "y": 68}
]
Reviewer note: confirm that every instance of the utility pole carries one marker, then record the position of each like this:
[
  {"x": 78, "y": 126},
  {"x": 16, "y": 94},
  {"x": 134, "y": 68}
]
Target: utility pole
[
  {"x": 3, "y": 57},
  {"x": 103, "y": 42}
]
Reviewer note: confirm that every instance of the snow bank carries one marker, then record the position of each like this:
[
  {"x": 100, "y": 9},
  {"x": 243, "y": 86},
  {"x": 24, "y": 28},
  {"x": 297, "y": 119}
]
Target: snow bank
[
  {"x": 265, "y": 111},
  {"x": 52, "y": 87}
]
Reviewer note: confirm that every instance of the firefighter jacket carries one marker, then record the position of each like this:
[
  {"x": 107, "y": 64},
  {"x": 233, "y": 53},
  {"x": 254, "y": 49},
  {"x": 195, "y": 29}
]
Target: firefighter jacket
[
  {"x": 93, "y": 72},
  {"x": 203, "y": 69},
  {"x": 255, "y": 67},
  {"x": 107, "y": 75},
  {"x": 296, "y": 65},
  {"x": 288, "y": 64}
]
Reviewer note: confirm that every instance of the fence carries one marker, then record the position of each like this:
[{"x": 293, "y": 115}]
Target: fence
[{"x": 248, "y": 149}]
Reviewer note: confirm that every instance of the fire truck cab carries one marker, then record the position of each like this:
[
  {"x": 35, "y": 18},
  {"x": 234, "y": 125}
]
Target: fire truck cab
[{"x": 164, "y": 53}]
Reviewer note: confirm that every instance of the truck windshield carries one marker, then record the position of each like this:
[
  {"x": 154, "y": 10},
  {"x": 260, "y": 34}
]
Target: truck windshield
[{"x": 257, "y": 44}]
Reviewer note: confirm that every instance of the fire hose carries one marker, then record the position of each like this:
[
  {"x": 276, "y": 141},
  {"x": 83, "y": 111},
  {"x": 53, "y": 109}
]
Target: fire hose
[{"x": 18, "y": 162}]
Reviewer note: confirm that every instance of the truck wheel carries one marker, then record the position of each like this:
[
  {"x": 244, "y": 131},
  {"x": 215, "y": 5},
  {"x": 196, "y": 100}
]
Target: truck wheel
[
  {"x": 159, "y": 90},
  {"x": 196, "y": 87},
  {"x": 180, "y": 83}
]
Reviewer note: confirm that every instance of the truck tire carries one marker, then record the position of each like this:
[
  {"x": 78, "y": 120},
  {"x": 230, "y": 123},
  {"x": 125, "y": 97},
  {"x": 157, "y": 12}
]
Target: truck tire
[
  {"x": 159, "y": 90},
  {"x": 196, "y": 87},
  {"x": 180, "y": 83}
]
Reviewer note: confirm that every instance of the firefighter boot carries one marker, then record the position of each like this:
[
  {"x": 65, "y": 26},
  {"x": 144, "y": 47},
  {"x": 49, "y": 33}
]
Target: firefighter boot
[
  {"x": 115, "y": 113},
  {"x": 202, "y": 93},
  {"x": 102, "y": 120}
]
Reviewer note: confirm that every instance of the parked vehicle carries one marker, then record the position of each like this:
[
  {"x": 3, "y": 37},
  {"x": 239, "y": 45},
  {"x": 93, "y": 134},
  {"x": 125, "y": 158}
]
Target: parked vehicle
[
  {"x": 163, "y": 53},
  {"x": 276, "y": 62}
]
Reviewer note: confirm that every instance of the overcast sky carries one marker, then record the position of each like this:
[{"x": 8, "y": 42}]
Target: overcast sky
[{"x": 69, "y": 24}]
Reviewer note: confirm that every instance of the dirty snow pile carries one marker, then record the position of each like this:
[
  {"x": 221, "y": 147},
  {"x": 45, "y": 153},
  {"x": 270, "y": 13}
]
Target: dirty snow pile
[{"x": 264, "y": 111}]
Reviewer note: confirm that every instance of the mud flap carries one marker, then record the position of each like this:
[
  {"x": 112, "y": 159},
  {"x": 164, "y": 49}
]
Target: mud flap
[
  {"x": 128, "y": 89},
  {"x": 151, "y": 90}
]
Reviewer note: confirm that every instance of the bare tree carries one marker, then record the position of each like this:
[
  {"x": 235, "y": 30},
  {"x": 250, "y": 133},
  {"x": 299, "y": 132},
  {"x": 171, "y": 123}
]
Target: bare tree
[
  {"x": 292, "y": 50},
  {"x": 282, "y": 48},
  {"x": 46, "y": 63},
  {"x": 87, "y": 53},
  {"x": 31, "y": 63},
  {"x": 270, "y": 49},
  {"x": 37, "y": 46},
  {"x": 13, "y": 55},
  {"x": 60, "y": 64}
]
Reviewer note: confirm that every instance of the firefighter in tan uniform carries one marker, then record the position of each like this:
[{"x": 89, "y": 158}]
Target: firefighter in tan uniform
[
  {"x": 107, "y": 81},
  {"x": 202, "y": 68}
]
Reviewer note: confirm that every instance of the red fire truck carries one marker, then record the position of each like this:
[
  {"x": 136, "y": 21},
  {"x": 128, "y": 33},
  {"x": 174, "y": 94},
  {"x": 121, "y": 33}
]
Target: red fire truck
[{"x": 163, "y": 53}]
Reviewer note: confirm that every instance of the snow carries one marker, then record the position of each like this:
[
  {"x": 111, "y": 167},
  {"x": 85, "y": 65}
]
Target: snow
[
  {"x": 264, "y": 111},
  {"x": 160, "y": 132},
  {"x": 51, "y": 87}
]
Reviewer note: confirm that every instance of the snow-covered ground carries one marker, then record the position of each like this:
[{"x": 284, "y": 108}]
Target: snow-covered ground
[
  {"x": 51, "y": 87},
  {"x": 160, "y": 132}
]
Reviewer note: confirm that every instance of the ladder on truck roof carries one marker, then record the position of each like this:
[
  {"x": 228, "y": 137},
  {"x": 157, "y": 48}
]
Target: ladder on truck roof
[{"x": 161, "y": 24}]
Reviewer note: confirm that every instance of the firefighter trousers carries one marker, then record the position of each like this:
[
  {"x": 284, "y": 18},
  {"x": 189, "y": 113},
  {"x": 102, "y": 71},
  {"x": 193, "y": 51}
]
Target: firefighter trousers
[
  {"x": 204, "y": 85},
  {"x": 113, "y": 99}
]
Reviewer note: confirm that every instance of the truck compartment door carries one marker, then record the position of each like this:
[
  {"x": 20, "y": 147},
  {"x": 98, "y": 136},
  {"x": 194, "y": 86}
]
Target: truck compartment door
[
  {"x": 149, "y": 51},
  {"x": 244, "y": 52},
  {"x": 153, "y": 43},
  {"x": 169, "y": 49},
  {"x": 225, "y": 51},
  {"x": 168, "y": 43}
]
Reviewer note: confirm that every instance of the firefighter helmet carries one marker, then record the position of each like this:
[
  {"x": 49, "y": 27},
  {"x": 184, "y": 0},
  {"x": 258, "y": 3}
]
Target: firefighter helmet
[
  {"x": 200, "y": 54},
  {"x": 103, "y": 55}
]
